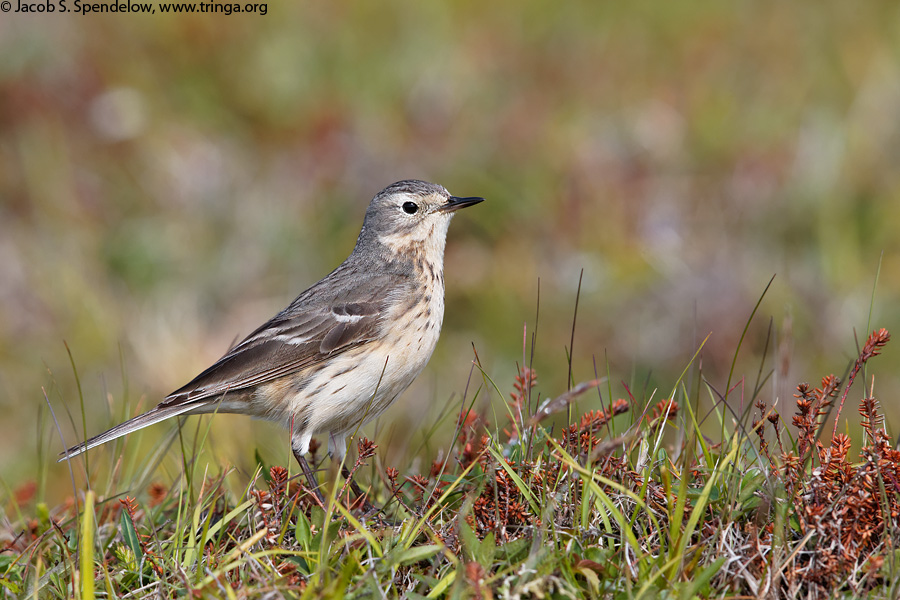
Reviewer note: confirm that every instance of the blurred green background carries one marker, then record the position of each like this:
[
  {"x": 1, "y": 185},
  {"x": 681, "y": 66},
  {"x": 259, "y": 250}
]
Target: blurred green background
[{"x": 169, "y": 182}]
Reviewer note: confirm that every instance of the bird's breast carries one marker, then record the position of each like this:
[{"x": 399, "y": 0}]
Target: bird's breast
[{"x": 412, "y": 330}]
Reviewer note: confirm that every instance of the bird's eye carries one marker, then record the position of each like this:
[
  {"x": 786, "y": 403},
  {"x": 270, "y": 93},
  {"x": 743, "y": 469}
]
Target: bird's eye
[{"x": 410, "y": 208}]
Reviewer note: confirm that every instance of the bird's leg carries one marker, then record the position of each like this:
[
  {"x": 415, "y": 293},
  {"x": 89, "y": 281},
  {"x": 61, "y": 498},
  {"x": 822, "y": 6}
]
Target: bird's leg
[
  {"x": 310, "y": 477},
  {"x": 337, "y": 447},
  {"x": 367, "y": 507},
  {"x": 299, "y": 446},
  {"x": 354, "y": 487}
]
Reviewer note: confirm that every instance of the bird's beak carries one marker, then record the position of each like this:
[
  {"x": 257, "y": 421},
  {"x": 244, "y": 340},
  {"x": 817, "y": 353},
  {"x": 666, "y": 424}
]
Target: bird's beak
[{"x": 454, "y": 203}]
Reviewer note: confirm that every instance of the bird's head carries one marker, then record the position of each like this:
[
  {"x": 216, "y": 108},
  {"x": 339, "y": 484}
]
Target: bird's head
[{"x": 412, "y": 214}]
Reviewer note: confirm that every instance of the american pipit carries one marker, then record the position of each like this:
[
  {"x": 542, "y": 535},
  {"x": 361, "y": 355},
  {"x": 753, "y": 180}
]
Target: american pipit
[{"x": 344, "y": 349}]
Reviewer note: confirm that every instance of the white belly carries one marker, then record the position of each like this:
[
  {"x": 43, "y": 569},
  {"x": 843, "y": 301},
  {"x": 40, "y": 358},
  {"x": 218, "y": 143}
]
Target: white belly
[{"x": 359, "y": 385}]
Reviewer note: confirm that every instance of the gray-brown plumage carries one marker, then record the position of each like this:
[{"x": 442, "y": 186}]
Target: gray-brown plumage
[{"x": 344, "y": 349}]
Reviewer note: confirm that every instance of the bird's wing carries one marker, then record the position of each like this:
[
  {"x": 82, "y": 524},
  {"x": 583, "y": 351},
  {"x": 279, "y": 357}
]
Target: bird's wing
[
  {"x": 307, "y": 332},
  {"x": 335, "y": 315}
]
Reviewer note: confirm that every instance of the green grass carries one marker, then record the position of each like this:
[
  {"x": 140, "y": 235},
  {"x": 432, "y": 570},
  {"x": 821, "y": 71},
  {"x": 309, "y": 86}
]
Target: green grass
[{"x": 628, "y": 501}]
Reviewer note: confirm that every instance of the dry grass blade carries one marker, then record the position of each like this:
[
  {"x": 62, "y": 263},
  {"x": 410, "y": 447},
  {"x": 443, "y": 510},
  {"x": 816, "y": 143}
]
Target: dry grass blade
[
  {"x": 558, "y": 404},
  {"x": 609, "y": 446}
]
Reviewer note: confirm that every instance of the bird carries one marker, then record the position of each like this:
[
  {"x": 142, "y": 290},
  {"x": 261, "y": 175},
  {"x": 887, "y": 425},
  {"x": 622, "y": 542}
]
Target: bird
[{"x": 345, "y": 348}]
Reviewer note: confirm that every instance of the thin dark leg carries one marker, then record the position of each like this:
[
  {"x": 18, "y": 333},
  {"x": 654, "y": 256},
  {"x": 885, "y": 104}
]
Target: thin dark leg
[
  {"x": 357, "y": 491},
  {"x": 367, "y": 507},
  {"x": 310, "y": 477}
]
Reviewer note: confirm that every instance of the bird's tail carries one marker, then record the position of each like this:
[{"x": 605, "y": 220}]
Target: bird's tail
[{"x": 151, "y": 417}]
